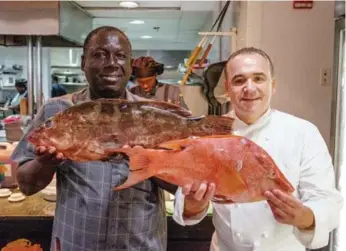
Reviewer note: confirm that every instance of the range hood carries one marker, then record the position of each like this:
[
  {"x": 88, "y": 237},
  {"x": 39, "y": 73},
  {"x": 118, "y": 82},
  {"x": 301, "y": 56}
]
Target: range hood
[{"x": 59, "y": 23}]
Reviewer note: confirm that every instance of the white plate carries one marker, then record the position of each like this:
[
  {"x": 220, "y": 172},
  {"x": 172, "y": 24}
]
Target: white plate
[
  {"x": 5, "y": 194},
  {"x": 16, "y": 197},
  {"x": 4, "y": 190}
]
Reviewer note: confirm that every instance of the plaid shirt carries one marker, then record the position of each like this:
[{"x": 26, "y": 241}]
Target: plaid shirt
[{"x": 89, "y": 215}]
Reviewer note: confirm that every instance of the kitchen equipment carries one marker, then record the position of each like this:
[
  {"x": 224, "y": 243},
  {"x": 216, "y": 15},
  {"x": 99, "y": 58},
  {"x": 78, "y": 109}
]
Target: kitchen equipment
[
  {"x": 8, "y": 80},
  {"x": 192, "y": 59}
]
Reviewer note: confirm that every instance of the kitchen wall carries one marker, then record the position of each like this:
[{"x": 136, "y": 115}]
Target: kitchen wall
[
  {"x": 171, "y": 58},
  {"x": 18, "y": 55},
  {"x": 300, "y": 42}
]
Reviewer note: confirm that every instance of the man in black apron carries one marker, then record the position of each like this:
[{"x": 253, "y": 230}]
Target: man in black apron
[{"x": 145, "y": 70}]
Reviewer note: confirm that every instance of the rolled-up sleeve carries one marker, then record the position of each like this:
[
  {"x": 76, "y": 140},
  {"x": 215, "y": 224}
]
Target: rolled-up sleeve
[
  {"x": 318, "y": 191},
  {"x": 179, "y": 210}
]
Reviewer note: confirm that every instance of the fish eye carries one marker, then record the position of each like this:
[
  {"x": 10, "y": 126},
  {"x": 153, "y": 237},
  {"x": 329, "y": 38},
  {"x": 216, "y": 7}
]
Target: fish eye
[{"x": 48, "y": 123}]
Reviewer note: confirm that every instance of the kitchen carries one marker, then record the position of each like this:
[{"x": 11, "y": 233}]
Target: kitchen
[{"x": 59, "y": 51}]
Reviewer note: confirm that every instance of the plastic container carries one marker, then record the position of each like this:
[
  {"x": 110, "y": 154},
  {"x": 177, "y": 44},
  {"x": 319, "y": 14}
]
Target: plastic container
[{"x": 14, "y": 127}]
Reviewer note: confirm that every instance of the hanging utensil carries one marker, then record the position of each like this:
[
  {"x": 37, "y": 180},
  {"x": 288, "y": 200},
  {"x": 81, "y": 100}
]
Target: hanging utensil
[
  {"x": 210, "y": 45},
  {"x": 191, "y": 61},
  {"x": 201, "y": 44}
]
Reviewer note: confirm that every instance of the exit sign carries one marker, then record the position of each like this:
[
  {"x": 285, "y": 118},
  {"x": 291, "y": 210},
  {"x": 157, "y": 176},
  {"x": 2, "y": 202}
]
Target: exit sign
[{"x": 302, "y": 4}]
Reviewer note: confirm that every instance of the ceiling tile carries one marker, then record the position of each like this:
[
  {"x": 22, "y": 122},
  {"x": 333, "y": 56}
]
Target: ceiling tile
[
  {"x": 144, "y": 4},
  {"x": 177, "y": 28}
]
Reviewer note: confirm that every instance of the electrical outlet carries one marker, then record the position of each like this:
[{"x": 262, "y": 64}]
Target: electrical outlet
[{"x": 326, "y": 76}]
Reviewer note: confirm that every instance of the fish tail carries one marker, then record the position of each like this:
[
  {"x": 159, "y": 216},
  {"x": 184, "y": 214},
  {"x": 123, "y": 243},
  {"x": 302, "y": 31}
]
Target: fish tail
[
  {"x": 216, "y": 125},
  {"x": 133, "y": 179},
  {"x": 140, "y": 167}
]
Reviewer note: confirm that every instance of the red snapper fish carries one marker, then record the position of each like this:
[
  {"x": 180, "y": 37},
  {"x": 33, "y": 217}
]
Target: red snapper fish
[
  {"x": 86, "y": 131},
  {"x": 241, "y": 170}
]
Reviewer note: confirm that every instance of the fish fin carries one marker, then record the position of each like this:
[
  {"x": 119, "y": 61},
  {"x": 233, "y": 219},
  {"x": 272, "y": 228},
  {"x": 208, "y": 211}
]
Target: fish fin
[
  {"x": 140, "y": 161},
  {"x": 219, "y": 199},
  {"x": 180, "y": 144},
  {"x": 176, "y": 145},
  {"x": 175, "y": 109},
  {"x": 134, "y": 177},
  {"x": 139, "y": 157},
  {"x": 218, "y": 136},
  {"x": 216, "y": 124}
]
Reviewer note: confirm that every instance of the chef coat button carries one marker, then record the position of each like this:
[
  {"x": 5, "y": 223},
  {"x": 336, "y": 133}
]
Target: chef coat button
[
  {"x": 256, "y": 244},
  {"x": 238, "y": 235},
  {"x": 265, "y": 235}
]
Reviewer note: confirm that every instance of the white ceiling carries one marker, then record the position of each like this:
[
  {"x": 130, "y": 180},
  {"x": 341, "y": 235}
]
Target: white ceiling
[{"x": 179, "y": 21}]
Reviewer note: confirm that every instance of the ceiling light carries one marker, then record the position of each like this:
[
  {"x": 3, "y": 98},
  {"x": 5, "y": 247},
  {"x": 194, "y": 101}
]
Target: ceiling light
[
  {"x": 129, "y": 4},
  {"x": 146, "y": 37},
  {"x": 137, "y": 22}
]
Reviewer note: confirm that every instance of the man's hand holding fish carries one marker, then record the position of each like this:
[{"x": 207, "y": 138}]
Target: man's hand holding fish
[
  {"x": 288, "y": 203},
  {"x": 289, "y": 210},
  {"x": 48, "y": 156},
  {"x": 197, "y": 197}
]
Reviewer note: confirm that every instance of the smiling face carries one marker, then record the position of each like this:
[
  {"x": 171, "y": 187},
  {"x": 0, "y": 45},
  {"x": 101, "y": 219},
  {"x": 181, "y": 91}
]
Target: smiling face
[
  {"x": 107, "y": 63},
  {"x": 250, "y": 86}
]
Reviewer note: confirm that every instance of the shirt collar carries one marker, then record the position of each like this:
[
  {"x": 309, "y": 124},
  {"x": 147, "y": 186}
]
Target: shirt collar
[
  {"x": 240, "y": 125},
  {"x": 84, "y": 95}
]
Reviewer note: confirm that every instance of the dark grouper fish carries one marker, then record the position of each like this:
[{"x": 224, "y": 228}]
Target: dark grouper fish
[{"x": 87, "y": 131}]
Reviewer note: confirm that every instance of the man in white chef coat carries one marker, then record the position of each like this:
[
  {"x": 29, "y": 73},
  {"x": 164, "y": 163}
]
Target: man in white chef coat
[{"x": 283, "y": 222}]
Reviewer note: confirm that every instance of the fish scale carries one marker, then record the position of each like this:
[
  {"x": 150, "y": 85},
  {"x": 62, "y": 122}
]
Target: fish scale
[
  {"x": 199, "y": 160},
  {"x": 114, "y": 123}
]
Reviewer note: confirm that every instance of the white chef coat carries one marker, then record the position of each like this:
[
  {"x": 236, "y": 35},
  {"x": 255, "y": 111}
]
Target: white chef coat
[{"x": 300, "y": 152}]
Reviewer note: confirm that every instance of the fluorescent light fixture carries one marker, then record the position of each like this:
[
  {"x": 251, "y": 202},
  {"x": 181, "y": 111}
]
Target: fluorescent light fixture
[
  {"x": 146, "y": 37},
  {"x": 129, "y": 4},
  {"x": 169, "y": 66},
  {"x": 137, "y": 22}
]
